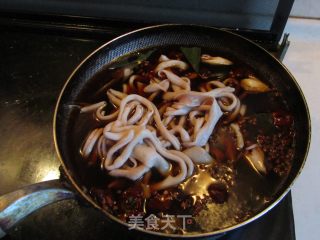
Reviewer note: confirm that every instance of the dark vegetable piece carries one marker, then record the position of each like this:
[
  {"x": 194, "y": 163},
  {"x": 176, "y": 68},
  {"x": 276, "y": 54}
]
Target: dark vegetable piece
[
  {"x": 214, "y": 72},
  {"x": 192, "y": 54},
  {"x": 212, "y": 75},
  {"x": 255, "y": 124},
  {"x": 132, "y": 60},
  {"x": 264, "y": 121}
]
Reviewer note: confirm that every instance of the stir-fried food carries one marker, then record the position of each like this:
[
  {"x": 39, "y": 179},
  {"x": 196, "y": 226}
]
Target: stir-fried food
[{"x": 173, "y": 138}]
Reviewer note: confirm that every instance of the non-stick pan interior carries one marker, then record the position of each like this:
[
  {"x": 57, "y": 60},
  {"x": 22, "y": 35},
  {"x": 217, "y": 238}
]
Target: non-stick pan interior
[{"x": 86, "y": 80}]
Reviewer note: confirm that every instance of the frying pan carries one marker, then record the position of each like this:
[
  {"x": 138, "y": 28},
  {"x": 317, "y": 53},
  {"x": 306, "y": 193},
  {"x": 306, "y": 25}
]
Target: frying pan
[{"x": 86, "y": 79}]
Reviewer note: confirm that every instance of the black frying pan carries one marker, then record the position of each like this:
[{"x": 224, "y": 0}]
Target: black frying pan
[{"x": 86, "y": 79}]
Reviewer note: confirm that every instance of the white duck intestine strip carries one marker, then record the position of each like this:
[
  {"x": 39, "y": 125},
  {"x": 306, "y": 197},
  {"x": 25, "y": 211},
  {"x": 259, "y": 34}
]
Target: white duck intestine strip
[{"x": 137, "y": 136}]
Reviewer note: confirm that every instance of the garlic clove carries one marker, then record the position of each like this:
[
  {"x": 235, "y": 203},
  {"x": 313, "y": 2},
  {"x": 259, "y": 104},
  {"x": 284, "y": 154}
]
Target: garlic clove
[{"x": 254, "y": 85}]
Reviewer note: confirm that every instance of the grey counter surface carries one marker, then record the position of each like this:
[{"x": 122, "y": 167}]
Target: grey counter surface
[{"x": 303, "y": 60}]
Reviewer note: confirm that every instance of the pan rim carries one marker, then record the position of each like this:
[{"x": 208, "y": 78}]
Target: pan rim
[{"x": 213, "y": 233}]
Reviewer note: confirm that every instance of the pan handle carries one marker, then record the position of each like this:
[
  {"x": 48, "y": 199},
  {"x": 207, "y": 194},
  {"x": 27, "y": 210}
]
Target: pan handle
[{"x": 16, "y": 205}]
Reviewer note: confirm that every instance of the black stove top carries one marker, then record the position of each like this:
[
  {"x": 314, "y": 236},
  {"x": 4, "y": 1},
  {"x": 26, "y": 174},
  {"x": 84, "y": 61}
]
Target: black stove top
[{"x": 33, "y": 68}]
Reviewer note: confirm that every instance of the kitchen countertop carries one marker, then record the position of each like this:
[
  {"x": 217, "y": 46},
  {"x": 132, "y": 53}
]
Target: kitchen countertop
[{"x": 302, "y": 59}]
